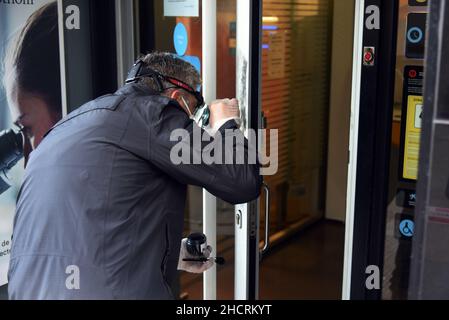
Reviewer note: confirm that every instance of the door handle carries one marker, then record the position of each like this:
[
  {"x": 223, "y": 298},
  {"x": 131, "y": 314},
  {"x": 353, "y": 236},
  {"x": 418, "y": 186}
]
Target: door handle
[{"x": 267, "y": 221}]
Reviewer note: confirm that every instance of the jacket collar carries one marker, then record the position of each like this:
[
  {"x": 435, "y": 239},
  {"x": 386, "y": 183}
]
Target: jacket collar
[{"x": 136, "y": 89}]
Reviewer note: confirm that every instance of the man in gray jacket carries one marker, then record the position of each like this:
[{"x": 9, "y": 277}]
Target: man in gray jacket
[{"x": 100, "y": 212}]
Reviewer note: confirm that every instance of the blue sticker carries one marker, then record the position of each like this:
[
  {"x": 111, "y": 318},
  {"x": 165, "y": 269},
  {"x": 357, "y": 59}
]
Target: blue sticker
[
  {"x": 406, "y": 227},
  {"x": 180, "y": 39},
  {"x": 196, "y": 63},
  {"x": 415, "y": 35}
]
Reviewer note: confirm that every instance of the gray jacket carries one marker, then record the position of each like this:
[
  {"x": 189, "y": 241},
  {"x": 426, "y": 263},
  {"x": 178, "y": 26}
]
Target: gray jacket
[{"x": 103, "y": 203}]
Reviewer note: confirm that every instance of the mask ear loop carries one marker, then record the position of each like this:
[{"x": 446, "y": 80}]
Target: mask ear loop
[{"x": 187, "y": 106}]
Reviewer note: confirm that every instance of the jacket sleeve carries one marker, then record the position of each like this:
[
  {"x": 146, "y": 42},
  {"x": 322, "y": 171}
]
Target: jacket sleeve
[{"x": 177, "y": 145}]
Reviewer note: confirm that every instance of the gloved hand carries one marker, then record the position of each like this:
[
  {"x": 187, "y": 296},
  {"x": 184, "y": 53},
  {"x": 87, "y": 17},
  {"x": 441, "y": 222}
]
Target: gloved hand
[
  {"x": 223, "y": 110},
  {"x": 194, "y": 267}
]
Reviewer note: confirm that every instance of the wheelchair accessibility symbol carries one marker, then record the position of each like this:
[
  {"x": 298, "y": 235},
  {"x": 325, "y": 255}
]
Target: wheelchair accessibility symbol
[{"x": 406, "y": 227}]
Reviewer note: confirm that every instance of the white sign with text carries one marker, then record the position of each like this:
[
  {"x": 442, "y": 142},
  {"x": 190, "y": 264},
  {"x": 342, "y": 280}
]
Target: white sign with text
[{"x": 181, "y": 8}]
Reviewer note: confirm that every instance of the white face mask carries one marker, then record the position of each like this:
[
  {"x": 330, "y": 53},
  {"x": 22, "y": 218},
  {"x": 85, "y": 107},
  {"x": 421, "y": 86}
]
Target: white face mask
[{"x": 208, "y": 129}]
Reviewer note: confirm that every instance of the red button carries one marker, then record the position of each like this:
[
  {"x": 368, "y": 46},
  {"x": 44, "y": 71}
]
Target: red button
[{"x": 368, "y": 56}]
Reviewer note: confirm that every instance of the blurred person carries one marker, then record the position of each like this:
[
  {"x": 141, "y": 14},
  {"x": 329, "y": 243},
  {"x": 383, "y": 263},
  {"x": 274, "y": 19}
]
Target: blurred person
[{"x": 32, "y": 76}]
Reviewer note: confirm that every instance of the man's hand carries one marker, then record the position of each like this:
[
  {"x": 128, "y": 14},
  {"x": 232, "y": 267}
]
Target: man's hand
[
  {"x": 221, "y": 110},
  {"x": 194, "y": 267}
]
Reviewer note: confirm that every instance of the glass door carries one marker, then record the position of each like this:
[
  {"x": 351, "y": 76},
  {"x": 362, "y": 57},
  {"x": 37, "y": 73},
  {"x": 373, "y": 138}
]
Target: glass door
[{"x": 299, "y": 85}]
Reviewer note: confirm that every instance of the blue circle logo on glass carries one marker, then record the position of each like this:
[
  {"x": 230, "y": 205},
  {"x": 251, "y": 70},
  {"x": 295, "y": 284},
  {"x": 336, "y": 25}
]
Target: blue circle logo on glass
[
  {"x": 415, "y": 35},
  {"x": 180, "y": 39},
  {"x": 407, "y": 228}
]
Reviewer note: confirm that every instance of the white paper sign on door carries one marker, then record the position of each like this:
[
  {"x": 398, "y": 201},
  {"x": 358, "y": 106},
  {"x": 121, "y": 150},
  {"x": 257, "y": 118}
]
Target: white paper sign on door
[{"x": 181, "y": 8}]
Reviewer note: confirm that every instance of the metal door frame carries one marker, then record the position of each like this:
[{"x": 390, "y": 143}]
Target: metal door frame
[
  {"x": 209, "y": 65},
  {"x": 249, "y": 45},
  {"x": 372, "y": 113},
  {"x": 359, "y": 22}
]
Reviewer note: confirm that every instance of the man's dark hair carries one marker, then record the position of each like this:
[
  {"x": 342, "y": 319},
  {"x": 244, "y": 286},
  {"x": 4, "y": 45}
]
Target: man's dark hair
[{"x": 170, "y": 65}]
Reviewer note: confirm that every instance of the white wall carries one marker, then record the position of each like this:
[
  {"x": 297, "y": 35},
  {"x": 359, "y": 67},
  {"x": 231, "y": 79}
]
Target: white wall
[{"x": 340, "y": 107}]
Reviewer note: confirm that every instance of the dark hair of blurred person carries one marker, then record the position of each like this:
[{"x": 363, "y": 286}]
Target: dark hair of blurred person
[{"x": 32, "y": 75}]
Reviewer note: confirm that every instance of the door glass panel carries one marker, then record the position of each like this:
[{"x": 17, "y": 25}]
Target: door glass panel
[
  {"x": 295, "y": 99},
  {"x": 297, "y": 58},
  {"x": 226, "y": 88}
]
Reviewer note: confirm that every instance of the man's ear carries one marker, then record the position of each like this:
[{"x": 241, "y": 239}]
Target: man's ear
[{"x": 175, "y": 95}]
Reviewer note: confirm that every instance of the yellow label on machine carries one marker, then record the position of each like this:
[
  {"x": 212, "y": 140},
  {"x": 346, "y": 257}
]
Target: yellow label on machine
[{"x": 412, "y": 137}]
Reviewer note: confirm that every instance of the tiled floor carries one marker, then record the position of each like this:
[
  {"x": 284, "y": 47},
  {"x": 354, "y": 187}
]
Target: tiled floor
[{"x": 310, "y": 266}]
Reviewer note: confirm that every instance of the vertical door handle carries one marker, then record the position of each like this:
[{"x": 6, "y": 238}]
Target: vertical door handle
[{"x": 267, "y": 221}]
